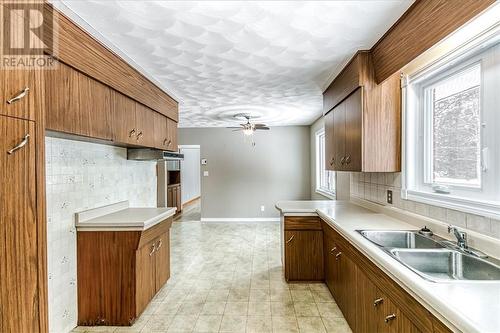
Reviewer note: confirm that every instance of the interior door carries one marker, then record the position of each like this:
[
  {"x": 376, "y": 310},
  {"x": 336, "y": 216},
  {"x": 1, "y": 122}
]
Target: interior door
[
  {"x": 123, "y": 118},
  {"x": 339, "y": 136},
  {"x": 18, "y": 227},
  {"x": 353, "y": 131},
  {"x": 162, "y": 258},
  {"x": 145, "y": 275},
  {"x": 329, "y": 141}
]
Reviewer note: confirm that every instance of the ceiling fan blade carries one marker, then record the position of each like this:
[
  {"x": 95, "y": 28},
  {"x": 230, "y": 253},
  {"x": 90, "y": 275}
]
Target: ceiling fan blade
[
  {"x": 262, "y": 128},
  {"x": 260, "y": 125},
  {"x": 239, "y": 129},
  {"x": 234, "y": 127}
]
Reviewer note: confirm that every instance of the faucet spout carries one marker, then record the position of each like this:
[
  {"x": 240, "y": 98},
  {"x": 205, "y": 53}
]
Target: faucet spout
[{"x": 460, "y": 236}]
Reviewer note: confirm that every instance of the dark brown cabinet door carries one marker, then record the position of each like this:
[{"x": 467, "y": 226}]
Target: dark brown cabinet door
[
  {"x": 353, "y": 130},
  {"x": 388, "y": 316},
  {"x": 304, "y": 255},
  {"x": 367, "y": 302},
  {"x": 62, "y": 98},
  {"x": 18, "y": 227},
  {"x": 145, "y": 119},
  {"x": 329, "y": 142},
  {"x": 172, "y": 135},
  {"x": 162, "y": 258},
  {"x": 145, "y": 275},
  {"x": 330, "y": 264},
  {"x": 123, "y": 118},
  {"x": 347, "y": 286},
  {"x": 21, "y": 93},
  {"x": 339, "y": 136},
  {"x": 160, "y": 129},
  {"x": 95, "y": 101}
]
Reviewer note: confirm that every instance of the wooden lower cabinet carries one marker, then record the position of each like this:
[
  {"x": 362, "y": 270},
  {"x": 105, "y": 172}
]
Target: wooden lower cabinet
[
  {"x": 369, "y": 300},
  {"x": 174, "y": 198},
  {"x": 119, "y": 272},
  {"x": 303, "y": 255}
]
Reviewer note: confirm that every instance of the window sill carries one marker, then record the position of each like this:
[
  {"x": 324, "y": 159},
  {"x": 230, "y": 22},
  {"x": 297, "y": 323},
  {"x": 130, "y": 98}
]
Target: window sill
[
  {"x": 329, "y": 195},
  {"x": 490, "y": 209}
]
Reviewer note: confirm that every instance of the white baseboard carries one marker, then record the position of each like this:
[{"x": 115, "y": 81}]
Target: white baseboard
[{"x": 240, "y": 219}]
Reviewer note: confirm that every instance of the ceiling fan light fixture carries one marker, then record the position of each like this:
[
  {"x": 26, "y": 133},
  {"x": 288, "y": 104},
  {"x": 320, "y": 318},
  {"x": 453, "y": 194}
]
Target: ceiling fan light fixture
[{"x": 248, "y": 131}]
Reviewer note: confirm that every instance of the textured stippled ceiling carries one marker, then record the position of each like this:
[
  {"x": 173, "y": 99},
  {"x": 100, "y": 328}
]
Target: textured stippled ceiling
[{"x": 219, "y": 58}]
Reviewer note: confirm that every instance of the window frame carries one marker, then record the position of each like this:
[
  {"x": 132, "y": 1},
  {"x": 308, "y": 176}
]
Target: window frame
[
  {"x": 320, "y": 167},
  {"x": 467, "y": 199}
]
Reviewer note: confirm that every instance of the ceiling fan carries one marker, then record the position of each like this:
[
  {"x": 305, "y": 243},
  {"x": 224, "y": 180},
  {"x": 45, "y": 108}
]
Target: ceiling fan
[{"x": 249, "y": 128}]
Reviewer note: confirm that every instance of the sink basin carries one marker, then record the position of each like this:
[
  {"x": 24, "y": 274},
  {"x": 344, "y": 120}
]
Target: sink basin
[
  {"x": 400, "y": 239},
  {"x": 447, "y": 264}
]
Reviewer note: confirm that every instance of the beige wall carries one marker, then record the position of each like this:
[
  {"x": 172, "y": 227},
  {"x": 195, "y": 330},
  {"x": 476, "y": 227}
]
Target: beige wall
[{"x": 242, "y": 178}]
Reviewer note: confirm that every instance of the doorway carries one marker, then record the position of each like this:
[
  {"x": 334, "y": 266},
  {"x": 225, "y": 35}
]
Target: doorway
[{"x": 190, "y": 184}]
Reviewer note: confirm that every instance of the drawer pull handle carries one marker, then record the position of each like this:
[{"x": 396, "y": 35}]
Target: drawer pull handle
[
  {"x": 153, "y": 249},
  {"x": 378, "y": 301},
  {"x": 139, "y": 135},
  {"x": 291, "y": 239},
  {"x": 20, "y": 144},
  {"x": 390, "y": 317},
  {"x": 131, "y": 133},
  {"x": 333, "y": 249},
  {"x": 18, "y": 96},
  {"x": 337, "y": 256}
]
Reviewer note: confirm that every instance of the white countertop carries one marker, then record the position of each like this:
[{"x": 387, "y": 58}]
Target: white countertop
[
  {"x": 120, "y": 217},
  {"x": 463, "y": 306}
]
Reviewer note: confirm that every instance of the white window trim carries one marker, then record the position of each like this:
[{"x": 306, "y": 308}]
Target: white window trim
[
  {"x": 328, "y": 194},
  {"x": 485, "y": 208}
]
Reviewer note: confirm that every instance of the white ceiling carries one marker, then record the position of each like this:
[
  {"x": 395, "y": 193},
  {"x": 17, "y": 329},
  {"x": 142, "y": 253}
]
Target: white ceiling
[{"x": 218, "y": 58}]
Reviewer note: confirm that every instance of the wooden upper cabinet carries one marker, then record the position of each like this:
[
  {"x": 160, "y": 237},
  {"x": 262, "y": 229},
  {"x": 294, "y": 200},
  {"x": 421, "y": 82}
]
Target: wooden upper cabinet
[
  {"x": 145, "y": 119},
  {"x": 19, "y": 309},
  {"x": 95, "y": 101},
  {"x": 21, "y": 93},
  {"x": 63, "y": 112},
  {"x": 364, "y": 132},
  {"x": 160, "y": 129},
  {"x": 123, "y": 118},
  {"x": 172, "y": 135},
  {"x": 329, "y": 142}
]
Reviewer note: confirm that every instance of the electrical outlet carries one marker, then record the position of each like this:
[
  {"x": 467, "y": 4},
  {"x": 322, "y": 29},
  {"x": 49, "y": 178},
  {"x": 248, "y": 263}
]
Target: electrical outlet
[
  {"x": 389, "y": 196},
  {"x": 262, "y": 208}
]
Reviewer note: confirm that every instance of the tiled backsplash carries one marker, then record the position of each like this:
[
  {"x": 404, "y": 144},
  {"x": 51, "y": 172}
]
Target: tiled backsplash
[
  {"x": 373, "y": 187},
  {"x": 81, "y": 176}
]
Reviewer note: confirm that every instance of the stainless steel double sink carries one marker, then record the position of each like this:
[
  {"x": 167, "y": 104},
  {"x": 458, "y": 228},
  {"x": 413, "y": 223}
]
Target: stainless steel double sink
[{"x": 433, "y": 257}]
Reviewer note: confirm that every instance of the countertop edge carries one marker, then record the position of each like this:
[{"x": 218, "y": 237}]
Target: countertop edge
[{"x": 135, "y": 226}]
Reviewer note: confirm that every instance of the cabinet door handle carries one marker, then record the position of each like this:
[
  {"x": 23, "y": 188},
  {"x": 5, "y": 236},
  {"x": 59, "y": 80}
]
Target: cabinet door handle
[
  {"x": 333, "y": 249},
  {"x": 291, "y": 239},
  {"x": 160, "y": 243},
  {"x": 378, "y": 301},
  {"x": 131, "y": 133},
  {"x": 165, "y": 141},
  {"x": 337, "y": 256},
  {"x": 18, "y": 96},
  {"x": 169, "y": 142},
  {"x": 19, "y": 145},
  {"x": 153, "y": 249},
  {"x": 139, "y": 135},
  {"x": 390, "y": 317},
  {"x": 348, "y": 159},
  {"x": 332, "y": 161},
  {"x": 342, "y": 160}
]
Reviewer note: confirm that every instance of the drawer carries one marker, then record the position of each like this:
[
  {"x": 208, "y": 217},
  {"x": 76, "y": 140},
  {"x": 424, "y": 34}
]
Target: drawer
[{"x": 302, "y": 223}]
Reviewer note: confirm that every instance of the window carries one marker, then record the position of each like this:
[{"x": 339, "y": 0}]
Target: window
[
  {"x": 452, "y": 132},
  {"x": 325, "y": 179}
]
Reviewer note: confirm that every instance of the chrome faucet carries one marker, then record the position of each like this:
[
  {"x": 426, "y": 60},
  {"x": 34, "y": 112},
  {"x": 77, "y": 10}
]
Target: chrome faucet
[{"x": 460, "y": 235}]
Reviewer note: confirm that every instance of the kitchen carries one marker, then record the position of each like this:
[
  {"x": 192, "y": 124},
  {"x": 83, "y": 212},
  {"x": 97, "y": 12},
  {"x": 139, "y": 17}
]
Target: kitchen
[{"x": 347, "y": 181}]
